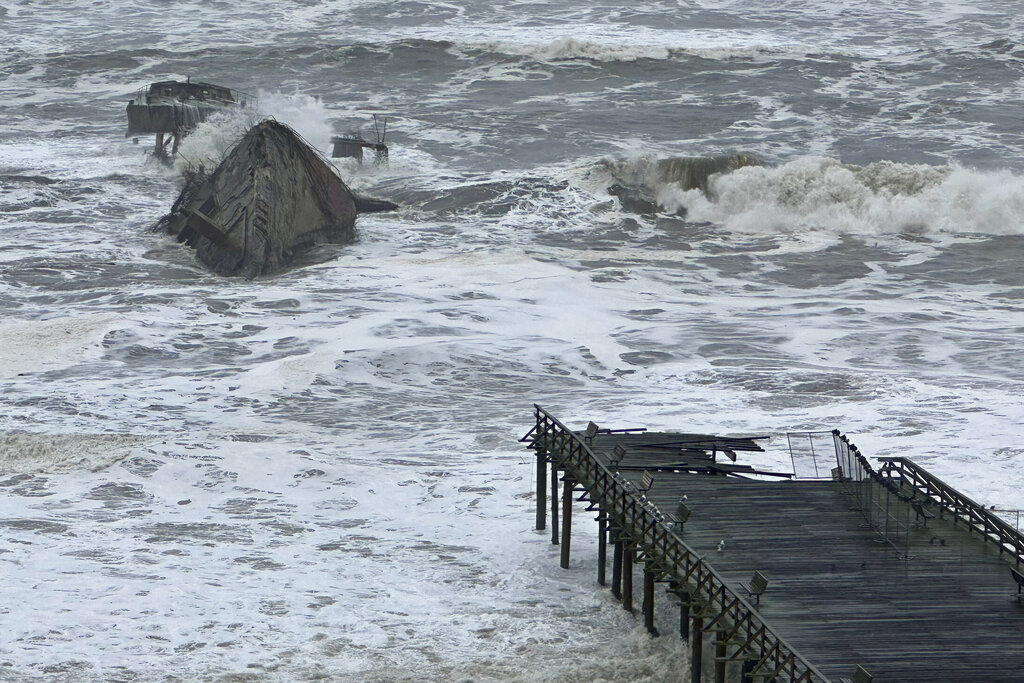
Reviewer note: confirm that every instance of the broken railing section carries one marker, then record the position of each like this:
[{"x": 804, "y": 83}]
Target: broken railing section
[
  {"x": 901, "y": 489},
  {"x": 640, "y": 532},
  {"x": 932, "y": 495}
]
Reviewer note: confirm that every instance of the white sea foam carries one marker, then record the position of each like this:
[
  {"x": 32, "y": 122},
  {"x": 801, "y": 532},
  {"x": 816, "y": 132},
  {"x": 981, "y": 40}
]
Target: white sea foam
[
  {"x": 28, "y": 453},
  {"x": 820, "y": 193},
  {"x": 51, "y": 344},
  {"x": 333, "y": 488}
]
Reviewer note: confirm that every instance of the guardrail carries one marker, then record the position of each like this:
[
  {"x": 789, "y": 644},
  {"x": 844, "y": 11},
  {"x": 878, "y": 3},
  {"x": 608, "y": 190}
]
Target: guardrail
[
  {"x": 976, "y": 516},
  {"x": 666, "y": 551}
]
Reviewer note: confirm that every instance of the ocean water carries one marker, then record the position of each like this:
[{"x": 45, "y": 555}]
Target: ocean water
[{"x": 316, "y": 475}]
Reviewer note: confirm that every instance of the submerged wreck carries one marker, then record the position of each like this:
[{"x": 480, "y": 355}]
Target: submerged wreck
[
  {"x": 173, "y": 108},
  {"x": 271, "y": 197}
]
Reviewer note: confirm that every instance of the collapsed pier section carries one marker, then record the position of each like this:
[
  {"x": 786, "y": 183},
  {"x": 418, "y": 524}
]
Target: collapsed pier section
[{"x": 860, "y": 574}]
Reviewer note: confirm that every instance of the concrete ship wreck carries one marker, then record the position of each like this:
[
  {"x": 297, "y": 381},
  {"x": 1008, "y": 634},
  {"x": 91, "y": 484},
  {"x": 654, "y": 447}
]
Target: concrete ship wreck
[
  {"x": 272, "y": 197},
  {"x": 173, "y": 109}
]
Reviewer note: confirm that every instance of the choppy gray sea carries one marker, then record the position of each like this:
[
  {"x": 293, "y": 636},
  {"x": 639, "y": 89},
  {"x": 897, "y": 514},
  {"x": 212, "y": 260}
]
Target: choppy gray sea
[{"x": 316, "y": 475}]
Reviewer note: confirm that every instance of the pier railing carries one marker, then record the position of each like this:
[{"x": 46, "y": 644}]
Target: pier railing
[
  {"x": 946, "y": 498},
  {"x": 907, "y": 488},
  {"x": 670, "y": 556}
]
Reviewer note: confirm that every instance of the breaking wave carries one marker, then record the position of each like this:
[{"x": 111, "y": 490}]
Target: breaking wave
[
  {"x": 633, "y": 49},
  {"x": 821, "y": 193},
  {"x": 211, "y": 140},
  {"x": 640, "y": 183}
]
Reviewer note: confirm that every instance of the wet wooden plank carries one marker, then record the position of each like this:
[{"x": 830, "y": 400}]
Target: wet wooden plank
[{"x": 947, "y": 612}]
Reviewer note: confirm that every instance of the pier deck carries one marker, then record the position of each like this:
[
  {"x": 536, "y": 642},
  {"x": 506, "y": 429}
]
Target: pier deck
[{"x": 877, "y": 569}]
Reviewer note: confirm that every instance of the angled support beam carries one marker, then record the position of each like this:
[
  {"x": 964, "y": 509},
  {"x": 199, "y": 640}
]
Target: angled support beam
[{"x": 759, "y": 633}]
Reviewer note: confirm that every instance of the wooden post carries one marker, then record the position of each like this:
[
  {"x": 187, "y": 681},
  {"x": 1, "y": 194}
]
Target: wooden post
[
  {"x": 627, "y": 577},
  {"x": 648, "y": 606},
  {"x": 542, "y": 489},
  {"x": 684, "y": 616},
  {"x": 159, "y": 147},
  {"x": 617, "y": 566},
  {"x": 554, "y": 502},
  {"x": 567, "y": 488},
  {"x": 720, "y": 654},
  {"x": 602, "y": 547},
  {"x": 697, "y": 649}
]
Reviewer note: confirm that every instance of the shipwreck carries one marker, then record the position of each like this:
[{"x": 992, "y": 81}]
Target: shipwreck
[
  {"x": 272, "y": 197},
  {"x": 173, "y": 109}
]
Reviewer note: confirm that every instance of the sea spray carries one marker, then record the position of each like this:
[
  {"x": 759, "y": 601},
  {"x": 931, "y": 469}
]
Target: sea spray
[{"x": 208, "y": 144}]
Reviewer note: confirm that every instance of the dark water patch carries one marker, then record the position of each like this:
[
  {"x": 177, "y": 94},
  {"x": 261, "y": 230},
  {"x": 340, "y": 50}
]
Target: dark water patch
[
  {"x": 31, "y": 179},
  {"x": 644, "y": 314},
  {"x": 102, "y": 555},
  {"x": 195, "y": 532},
  {"x": 37, "y": 526},
  {"x": 245, "y": 508},
  {"x": 28, "y": 485},
  {"x": 994, "y": 260},
  {"x": 259, "y": 563},
  {"x": 732, "y": 265},
  {"x": 115, "y": 495},
  {"x": 785, "y": 389},
  {"x": 646, "y": 358}
]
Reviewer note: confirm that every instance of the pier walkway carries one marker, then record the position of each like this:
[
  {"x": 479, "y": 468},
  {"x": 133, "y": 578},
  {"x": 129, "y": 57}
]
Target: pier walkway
[{"x": 886, "y": 575}]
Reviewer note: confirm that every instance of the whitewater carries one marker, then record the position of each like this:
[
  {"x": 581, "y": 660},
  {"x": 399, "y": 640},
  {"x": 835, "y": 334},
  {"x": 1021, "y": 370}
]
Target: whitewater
[{"x": 317, "y": 475}]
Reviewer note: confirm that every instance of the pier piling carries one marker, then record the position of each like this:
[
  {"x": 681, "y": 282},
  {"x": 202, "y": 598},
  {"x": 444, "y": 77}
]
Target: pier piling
[
  {"x": 542, "y": 489},
  {"x": 567, "y": 487}
]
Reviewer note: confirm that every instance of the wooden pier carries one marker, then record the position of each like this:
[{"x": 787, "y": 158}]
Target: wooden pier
[{"x": 885, "y": 575}]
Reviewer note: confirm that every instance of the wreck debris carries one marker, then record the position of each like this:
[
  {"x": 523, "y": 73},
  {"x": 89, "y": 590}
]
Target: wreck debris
[
  {"x": 174, "y": 108},
  {"x": 352, "y": 145},
  {"x": 272, "y": 196}
]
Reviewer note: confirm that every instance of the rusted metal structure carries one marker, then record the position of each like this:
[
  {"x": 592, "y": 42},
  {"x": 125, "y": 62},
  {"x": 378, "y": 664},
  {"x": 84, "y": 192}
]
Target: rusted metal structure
[
  {"x": 351, "y": 146},
  {"x": 888, "y": 571},
  {"x": 173, "y": 108}
]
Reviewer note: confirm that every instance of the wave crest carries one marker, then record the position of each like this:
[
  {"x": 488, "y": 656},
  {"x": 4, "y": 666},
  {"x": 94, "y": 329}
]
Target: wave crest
[{"x": 821, "y": 193}]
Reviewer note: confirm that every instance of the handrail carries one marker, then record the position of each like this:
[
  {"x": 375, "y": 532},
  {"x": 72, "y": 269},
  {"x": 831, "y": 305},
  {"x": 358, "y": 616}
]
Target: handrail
[
  {"x": 644, "y": 525},
  {"x": 976, "y": 516}
]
